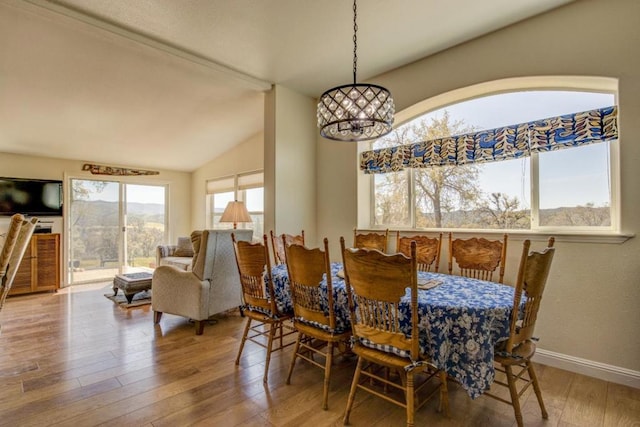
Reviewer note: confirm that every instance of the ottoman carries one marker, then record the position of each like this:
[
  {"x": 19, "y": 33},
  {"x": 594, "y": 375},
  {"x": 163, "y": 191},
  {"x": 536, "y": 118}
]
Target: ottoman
[{"x": 131, "y": 284}]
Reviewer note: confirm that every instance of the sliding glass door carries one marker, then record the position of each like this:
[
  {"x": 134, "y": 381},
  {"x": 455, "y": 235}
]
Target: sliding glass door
[
  {"x": 113, "y": 227},
  {"x": 145, "y": 224}
]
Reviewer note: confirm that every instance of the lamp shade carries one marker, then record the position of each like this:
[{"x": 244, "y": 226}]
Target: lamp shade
[{"x": 235, "y": 212}]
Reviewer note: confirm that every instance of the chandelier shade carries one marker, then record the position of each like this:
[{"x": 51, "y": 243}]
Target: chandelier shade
[
  {"x": 358, "y": 111},
  {"x": 355, "y": 112}
]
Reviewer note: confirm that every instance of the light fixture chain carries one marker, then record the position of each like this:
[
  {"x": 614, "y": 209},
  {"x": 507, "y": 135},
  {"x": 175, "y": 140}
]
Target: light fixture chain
[
  {"x": 355, "y": 112},
  {"x": 355, "y": 42}
]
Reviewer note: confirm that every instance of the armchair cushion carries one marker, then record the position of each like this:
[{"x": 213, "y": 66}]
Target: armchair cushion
[
  {"x": 183, "y": 263},
  {"x": 166, "y": 255},
  {"x": 196, "y": 238},
  {"x": 184, "y": 247}
]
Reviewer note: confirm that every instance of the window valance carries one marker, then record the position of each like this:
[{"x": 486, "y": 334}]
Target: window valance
[{"x": 504, "y": 143}]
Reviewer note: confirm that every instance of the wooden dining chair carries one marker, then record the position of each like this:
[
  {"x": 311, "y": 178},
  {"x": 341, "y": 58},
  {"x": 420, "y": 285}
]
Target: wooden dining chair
[
  {"x": 518, "y": 350},
  {"x": 259, "y": 303},
  {"x": 317, "y": 333},
  {"x": 376, "y": 283},
  {"x": 16, "y": 241},
  {"x": 371, "y": 240},
  {"x": 279, "y": 255},
  {"x": 10, "y": 239},
  {"x": 478, "y": 258},
  {"x": 427, "y": 250}
]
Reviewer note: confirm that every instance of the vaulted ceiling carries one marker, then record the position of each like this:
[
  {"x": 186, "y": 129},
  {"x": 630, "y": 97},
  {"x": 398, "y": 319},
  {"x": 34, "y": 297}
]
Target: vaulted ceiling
[{"x": 173, "y": 84}]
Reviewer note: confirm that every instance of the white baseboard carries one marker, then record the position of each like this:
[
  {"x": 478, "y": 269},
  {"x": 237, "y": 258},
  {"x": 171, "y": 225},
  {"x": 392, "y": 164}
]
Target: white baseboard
[{"x": 590, "y": 368}]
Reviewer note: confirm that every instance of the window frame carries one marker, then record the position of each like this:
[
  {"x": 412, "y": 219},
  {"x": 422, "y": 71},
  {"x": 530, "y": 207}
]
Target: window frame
[
  {"x": 239, "y": 191},
  {"x": 612, "y": 233}
]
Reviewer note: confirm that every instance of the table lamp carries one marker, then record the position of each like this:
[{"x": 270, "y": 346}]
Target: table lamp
[{"x": 235, "y": 212}]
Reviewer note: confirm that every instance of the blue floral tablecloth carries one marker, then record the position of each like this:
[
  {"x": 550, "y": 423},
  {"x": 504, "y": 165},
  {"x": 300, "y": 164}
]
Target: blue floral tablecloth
[{"x": 461, "y": 320}]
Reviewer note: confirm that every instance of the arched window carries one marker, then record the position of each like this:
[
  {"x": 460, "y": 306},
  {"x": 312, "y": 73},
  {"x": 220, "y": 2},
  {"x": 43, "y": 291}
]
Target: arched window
[{"x": 544, "y": 163}]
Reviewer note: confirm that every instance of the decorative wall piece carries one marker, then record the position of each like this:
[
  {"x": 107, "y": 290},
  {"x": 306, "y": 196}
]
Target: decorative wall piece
[
  {"x": 112, "y": 170},
  {"x": 509, "y": 142}
]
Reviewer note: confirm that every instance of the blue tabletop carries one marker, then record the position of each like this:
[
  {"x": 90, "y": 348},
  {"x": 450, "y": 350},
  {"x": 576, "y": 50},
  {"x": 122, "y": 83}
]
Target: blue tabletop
[{"x": 461, "y": 320}]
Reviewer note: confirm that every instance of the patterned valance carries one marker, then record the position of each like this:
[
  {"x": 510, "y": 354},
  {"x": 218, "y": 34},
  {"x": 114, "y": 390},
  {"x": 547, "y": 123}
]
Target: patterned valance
[{"x": 509, "y": 142}]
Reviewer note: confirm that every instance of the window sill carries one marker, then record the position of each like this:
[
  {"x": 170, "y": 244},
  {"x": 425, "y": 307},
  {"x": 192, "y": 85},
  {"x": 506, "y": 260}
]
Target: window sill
[
  {"x": 573, "y": 237},
  {"x": 608, "y": 237}
]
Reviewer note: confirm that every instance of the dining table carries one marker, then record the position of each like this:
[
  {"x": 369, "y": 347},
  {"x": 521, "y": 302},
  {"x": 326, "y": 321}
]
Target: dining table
[{"x": 461, "y": 320}]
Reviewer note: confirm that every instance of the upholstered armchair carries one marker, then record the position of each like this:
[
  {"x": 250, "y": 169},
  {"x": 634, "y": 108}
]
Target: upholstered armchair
[{"x": 212, "y": 286}]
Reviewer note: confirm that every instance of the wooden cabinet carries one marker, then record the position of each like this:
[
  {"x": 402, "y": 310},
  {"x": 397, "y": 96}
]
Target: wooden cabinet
[{"x": 40, "y": 266}]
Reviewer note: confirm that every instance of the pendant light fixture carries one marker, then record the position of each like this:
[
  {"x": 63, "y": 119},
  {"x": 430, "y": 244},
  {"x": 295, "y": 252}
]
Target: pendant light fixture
[{"x": 358, "y": 111}]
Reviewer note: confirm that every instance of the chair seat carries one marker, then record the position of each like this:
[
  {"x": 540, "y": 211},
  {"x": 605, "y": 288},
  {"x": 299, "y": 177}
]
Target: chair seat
[
  {"x": 263, "y": 315},
  {"x": 381, "y": 357},
  {"x": 320, "y": 332},
  {"x": 524, "y": 351}
]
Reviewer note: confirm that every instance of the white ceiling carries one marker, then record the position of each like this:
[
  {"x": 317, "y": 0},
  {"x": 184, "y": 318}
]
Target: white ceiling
[{"x": 172, "y": 84}]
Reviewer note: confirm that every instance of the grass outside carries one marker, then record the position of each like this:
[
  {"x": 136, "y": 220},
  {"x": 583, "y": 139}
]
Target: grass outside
[{"x": 92, "y": 264}]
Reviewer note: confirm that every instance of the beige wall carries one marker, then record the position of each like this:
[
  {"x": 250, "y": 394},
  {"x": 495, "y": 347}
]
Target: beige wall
[
  {"x": 246, "y": 157},
  {"x": 590, "y": 309},
  {"x": 286, "y": 152},
  {"x": 19, "y": 166},
  {"x": 290, "y": 163}
]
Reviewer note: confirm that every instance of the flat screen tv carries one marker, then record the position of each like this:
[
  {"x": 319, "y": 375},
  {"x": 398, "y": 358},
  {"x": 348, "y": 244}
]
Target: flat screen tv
[{"x": 31, "y": 197}]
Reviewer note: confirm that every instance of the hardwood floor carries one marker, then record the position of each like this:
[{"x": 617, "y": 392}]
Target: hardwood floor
[{"x": 75, "y": 358}]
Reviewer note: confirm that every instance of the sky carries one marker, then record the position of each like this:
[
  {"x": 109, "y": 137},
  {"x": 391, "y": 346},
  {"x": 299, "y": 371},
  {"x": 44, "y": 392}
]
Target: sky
[
  {"x": 567, "y": 178},
  {"x": 135, "y": 193}
]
